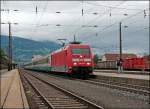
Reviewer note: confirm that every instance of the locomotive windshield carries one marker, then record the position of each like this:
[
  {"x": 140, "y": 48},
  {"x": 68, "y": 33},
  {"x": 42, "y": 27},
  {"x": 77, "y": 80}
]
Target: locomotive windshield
[{"x": 81, "y": 51}]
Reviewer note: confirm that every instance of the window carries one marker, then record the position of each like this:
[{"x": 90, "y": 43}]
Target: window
[{"x": 81, "y": 51}]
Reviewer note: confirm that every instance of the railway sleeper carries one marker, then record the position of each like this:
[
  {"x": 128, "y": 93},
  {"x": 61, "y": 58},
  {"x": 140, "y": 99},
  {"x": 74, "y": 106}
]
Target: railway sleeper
[
  {"x": 68, "y": 105},
  {"x": 77, "y": 107},
  {"x": 64, "y": 102},
  {"x": 82, "y": 102}
]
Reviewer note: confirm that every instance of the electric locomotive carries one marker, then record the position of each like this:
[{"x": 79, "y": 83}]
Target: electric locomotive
[{"x": 73, "y": 59}]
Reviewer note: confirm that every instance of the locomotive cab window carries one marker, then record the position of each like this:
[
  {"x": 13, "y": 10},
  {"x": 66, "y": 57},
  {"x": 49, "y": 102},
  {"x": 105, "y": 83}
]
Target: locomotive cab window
[{"x": 85, "y": 51}]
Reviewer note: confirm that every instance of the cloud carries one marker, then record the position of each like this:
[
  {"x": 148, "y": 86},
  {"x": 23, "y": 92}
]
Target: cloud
[{"x": 42, "y": 26}]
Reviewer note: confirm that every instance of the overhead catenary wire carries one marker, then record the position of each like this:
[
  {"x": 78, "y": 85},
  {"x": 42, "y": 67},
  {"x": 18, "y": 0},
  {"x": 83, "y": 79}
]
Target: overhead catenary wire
[
  {"x": 112, "y": 7},
  {"x": 66, "y": 25},
  {"x": 139, "y": 30},
  {"x": 96, "y": 18},
  {"x": 35, "y": 18},
  {"x": 40, "y": 17},
  {"x": 5, "y": 5},
  {"x": 121, "y": 21}
]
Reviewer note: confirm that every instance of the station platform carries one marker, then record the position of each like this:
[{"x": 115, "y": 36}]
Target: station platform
[
  {"x": 3, "y": 71},
  {"x": 136, "y": 79},
  {"x": 124, "y": 71},
  {"x": 123, "y": 75},
  {"x": 12, "y": 92}
]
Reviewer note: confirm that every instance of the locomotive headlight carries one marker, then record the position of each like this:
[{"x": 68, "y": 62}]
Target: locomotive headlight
[
  {"x": 88, "y": 63},
  {"x": 74, "y": 63}
]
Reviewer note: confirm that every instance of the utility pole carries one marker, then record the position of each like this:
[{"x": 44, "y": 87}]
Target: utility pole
[
  {"x": 120, "y": 48},
  {"x": 10, "y": 49},
  {"x": 120, "y": 41},
  {"x": 10, "y": 41},
  {"x": 10, "y": 46}
]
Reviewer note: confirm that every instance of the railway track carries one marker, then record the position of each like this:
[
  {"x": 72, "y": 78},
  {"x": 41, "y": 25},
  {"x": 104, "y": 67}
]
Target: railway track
[
  {"x": 51, "y": 96},
  {"x": 122, "y": 86},
  {"x": 116, "y": 85},
  {"x": 146, "y": 88}
]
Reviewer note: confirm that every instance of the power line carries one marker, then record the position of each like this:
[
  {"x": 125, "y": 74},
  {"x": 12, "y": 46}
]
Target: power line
[
  {"x": 137, "y": 21},
  {"x": 38, "y": 22},
  {"x": 139, "y": 30},
  {"x": 112, "y": 7},
  {"x": 97, "y": 18},
  {"x": 5, "y": 5},
  {"x": 122, "y": 20},
  {"x": 135, "y": 14}
]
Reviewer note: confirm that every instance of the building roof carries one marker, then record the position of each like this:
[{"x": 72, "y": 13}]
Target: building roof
[{"x": 113, "y": 56}]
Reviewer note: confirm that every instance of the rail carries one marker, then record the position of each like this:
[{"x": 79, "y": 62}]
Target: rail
[{"x": 77, "y": 99}]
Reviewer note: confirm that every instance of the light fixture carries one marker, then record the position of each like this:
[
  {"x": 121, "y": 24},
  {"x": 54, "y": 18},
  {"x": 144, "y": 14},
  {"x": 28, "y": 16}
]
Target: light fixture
[
  {"x": 88, "y": 63},
  {"x": 125, "y": 14},
  {"x": 74, "y": 63},
  {"x": 95, "y": 13},
  {"x": 58, "y": 12},
  {"x": 95, "y": 26},
  {"x": 15, "y": 10},
  {"x": 125, "y": 26}
]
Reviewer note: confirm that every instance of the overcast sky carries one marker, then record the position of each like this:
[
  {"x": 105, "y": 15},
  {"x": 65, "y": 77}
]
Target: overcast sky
[{"x": 98, "y": 26}]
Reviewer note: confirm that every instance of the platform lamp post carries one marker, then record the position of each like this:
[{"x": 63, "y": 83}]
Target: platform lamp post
[{"x": 10, "y": 46}]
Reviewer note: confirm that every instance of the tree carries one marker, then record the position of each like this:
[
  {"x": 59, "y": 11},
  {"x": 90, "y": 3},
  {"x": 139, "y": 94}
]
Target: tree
[
  {"x": 2, "y": 53},
  {"x": 3, "y": 56}
]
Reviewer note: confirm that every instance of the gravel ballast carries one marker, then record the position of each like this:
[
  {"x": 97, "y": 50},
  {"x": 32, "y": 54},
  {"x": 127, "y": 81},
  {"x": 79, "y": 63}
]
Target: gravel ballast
[{"x": 103, "y": 96}]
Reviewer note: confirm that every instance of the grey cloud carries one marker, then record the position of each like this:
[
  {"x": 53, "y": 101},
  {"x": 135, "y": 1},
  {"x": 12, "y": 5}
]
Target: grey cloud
[{"x": 42, "y": 26}]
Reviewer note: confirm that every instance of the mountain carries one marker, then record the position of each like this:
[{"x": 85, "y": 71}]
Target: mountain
[{"x": 24, "y": 49}]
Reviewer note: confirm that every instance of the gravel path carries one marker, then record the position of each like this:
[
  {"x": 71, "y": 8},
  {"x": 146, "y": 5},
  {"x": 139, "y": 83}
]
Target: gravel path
[{"x": 102, "y": 95}]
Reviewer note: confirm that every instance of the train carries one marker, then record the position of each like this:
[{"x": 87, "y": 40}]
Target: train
[
  {"x": 139, "y": 63},
  {"x": 72, "y": 59}
]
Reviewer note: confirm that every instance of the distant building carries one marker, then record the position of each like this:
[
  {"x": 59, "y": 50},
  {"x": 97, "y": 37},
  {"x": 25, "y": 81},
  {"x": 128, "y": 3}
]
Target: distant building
[
  {"x": 147, "y": 57},
  {"x": 115, "y": 56}
]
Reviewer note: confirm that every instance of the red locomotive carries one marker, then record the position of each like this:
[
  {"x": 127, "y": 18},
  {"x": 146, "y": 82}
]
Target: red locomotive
[
  {"x": 134, "y": 63},
  {"x": 73, "y": 59},
  {"x": 139, "y": 63}
]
